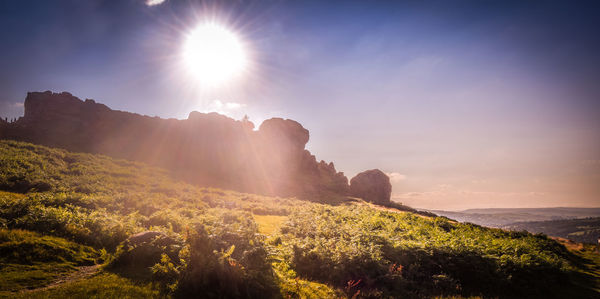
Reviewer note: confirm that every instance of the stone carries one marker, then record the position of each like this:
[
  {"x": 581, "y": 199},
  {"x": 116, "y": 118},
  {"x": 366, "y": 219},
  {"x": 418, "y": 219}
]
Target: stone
[
  {"x": 146, "y": 237},
  {"x": 372, "y": 186}
]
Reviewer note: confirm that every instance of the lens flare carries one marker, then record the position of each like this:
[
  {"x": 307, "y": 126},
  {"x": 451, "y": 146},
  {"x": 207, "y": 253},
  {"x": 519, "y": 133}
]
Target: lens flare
[{"x": 214, "y": 54}]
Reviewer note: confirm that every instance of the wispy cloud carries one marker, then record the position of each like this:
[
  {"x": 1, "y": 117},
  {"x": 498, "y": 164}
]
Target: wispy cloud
[
  {"x": 231, "y": 109},
  {"x": 154, "y": 2},
  {"x": 219, "y": 106},
  {"x": 396, "y": 177},
  {"x": 449, "y": 197}
]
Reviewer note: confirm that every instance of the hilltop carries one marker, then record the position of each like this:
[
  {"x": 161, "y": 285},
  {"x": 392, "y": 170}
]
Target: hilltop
[
  {"x": 207, "y": 149},
  {"x": 63, "y": 211}
]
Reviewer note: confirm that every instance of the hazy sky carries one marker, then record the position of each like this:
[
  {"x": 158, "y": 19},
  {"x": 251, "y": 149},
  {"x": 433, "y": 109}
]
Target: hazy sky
[{"x": 464, "y": 103}]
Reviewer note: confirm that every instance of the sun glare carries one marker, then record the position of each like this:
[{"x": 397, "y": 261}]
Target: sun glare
[{"x": 214, "y": 54}]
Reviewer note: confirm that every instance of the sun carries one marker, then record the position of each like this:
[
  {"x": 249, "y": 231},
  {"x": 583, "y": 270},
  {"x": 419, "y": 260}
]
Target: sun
[{"x": 214, "y": 54}]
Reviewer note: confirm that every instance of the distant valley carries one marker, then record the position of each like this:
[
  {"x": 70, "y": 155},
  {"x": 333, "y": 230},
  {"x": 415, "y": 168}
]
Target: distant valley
[
  {"x": 586, "y": 230},
  {"x": 577, "y": 224}
]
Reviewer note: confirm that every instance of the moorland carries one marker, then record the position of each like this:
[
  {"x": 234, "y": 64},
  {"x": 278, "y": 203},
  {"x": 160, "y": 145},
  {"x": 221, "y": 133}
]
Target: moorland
[{"x": 68, "y": 219}]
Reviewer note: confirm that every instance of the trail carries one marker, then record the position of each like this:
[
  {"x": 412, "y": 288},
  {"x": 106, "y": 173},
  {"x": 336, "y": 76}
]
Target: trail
[{"x": 80, "y": 274}]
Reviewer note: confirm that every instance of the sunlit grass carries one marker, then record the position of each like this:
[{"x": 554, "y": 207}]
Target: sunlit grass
[
  {"x": 15, "y": 277},
  {"x": 32, "y": 260},
  {"x": 267, "y": 224},
  {"x": 104, "y": 285}
]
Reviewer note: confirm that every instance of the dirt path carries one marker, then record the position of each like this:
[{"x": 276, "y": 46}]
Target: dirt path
[{"x": 81, "y": 273}]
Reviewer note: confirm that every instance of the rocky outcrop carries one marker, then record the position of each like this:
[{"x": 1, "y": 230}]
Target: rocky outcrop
[
  {"x": 3, "y": 125},
  {"x": 208, "y": 149},
  {"x": 372, "y": 185},
  {"x": 148, "y": 236}
]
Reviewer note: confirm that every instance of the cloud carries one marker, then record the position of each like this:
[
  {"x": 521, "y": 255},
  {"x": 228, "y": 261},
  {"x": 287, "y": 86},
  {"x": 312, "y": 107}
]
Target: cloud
[
  {"x": 18, "y": 104},
  {"x": 448, "y": 197},
  {"x": 231, "y": 109},
  {"x": 219, "y": 106},
  {"x": 232, "y": 105},
  {"x": 396, "y": 177},
  {"x": 154, "y": 2}
]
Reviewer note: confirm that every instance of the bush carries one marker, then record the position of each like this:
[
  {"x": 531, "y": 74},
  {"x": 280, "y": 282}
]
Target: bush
[{"x": 225, "y": 258}]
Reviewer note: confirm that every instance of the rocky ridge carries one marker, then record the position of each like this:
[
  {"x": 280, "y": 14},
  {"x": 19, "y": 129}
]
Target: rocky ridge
[{"x": 208, "y": 149}]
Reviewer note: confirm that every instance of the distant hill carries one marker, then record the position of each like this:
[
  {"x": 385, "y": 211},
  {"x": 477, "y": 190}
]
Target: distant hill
[
  {"x": 562, "y": 212},
  {"x": 503, "y": 217},
  {"x": 586, "y": 230},
  {"x": 205, "y": 149}
]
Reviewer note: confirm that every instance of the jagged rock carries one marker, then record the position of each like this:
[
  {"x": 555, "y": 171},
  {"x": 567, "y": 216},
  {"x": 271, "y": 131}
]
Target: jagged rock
[
  {"x": 286, "y": 132},
  {"x": 4, "y": 125},
  {"x": 372, "y": 185},
  {"x": 208, "y": 149},
  {"x": 149, "y": 236}
]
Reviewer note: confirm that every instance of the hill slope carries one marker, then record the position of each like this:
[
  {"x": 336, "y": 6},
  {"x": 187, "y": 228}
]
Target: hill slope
[{"x": 227, "y": 244}]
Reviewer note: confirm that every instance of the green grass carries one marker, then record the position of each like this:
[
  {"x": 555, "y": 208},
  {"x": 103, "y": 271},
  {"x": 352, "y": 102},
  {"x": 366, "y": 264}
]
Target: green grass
[
  {"x": 268, "y": 224},
  {"x": 105, "y": 285},
  {"x": 590, "y": 268},
  {"x": 30, "y": 260},
  {"x": 17, "y": 277},
  {"x": 70, "y": 209},
  {"x": 426, "y": 257}
]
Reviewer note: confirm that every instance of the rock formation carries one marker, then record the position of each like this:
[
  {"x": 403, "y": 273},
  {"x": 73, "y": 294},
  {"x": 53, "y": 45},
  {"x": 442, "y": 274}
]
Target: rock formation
[
  {"x": 372, "y": 185},
  {"x": 206, "y": 149},
  {"x": 149, "y": 236}
]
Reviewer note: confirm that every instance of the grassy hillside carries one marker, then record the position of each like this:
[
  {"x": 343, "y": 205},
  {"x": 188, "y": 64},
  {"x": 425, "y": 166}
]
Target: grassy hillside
[{"x": 64, "y": 211}]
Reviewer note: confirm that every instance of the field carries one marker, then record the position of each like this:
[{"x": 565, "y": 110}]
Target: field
[{"x": 64, "y": 212}]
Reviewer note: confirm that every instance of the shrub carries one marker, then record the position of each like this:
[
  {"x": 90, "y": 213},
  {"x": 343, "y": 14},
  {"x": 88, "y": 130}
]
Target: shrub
[{"x": 229, "y": 273}]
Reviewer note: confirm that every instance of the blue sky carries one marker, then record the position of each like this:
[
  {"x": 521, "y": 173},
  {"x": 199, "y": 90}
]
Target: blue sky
[{"x": 465, "y": 103}]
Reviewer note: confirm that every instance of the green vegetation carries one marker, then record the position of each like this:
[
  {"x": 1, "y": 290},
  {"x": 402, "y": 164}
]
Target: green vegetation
[
  {"x": 105, "y": 285},
  {"x": 61, "y": 211},
  {"x": 410, "y": 256},
  {"x": 268, "y": 224},
  {"x": 29, "y": 260}
]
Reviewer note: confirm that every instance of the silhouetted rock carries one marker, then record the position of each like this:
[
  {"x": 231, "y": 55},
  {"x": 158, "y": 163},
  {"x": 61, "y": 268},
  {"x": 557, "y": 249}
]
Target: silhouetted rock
[
  {"x": 3, "y": 126},
  {"x": 372, "y": 185},
  {"x": 148, "y": 236},
  {"x": 208, "y": 149}
]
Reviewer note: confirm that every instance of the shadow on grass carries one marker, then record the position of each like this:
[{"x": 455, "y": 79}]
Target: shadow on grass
[{"x": 423, "y": 273}]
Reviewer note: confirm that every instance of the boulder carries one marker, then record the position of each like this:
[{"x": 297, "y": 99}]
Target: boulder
[
  {"x": 149, "y": 236},
  {"x": 372, "y": 185},
  {"x": 284, "y": 134}
]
